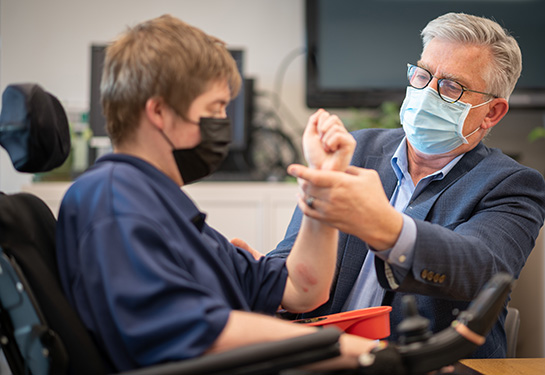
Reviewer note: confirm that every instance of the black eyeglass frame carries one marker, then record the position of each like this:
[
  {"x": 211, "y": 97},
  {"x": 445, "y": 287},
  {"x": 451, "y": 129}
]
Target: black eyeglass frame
[{"x": 439, "y": 80}]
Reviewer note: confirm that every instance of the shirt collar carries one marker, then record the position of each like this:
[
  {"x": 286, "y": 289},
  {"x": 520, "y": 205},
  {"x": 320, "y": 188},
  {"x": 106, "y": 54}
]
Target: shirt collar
[
  {"x": 171, "y": 190},
  {"x": 400, "y": 163}
]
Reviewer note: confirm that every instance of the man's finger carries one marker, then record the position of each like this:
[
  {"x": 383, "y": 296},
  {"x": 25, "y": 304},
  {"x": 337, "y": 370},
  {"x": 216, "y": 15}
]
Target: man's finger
[
  {"x": 318, "y": 178},
  {"x": 355, "y": 171}
]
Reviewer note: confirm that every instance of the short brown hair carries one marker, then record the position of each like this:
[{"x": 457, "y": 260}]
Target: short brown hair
[{"x": 163, "y": 57}]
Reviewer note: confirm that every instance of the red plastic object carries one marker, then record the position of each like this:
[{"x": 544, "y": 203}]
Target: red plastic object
[{"x": 372, "y": 323}]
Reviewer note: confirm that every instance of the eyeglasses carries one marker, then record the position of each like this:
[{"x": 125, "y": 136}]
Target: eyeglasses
[{"x": 450, "y": 91}]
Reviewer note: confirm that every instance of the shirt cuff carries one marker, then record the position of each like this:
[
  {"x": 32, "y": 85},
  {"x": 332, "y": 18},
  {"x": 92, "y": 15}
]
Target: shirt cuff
[{"x": 401, "y": 255}]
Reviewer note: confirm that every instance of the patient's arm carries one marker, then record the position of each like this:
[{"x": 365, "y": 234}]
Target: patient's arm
[
  {"x": 311, "y": 263},
  {"x": 246, "y": 328}
]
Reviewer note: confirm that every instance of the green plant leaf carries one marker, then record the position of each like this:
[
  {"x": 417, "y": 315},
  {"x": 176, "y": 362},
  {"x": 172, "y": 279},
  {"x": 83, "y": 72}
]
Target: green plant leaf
[{"x": 536, "y": 133}]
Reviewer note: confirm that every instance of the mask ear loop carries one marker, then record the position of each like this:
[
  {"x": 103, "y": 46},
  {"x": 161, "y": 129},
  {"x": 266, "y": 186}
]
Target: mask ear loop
[
  {"x": 476, "y": 130},
  {"x": 167, "y": 139},
  {"x": 470, "y": 134},
  {"x": 184, "y": 119},
  {"x": 480, "y": 105}
]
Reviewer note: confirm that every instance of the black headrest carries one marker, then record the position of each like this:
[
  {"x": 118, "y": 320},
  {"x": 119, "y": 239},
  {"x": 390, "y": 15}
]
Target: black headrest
[{"x": 33, "y": 128}]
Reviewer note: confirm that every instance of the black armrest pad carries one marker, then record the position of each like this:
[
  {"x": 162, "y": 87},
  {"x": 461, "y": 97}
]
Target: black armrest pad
[{"x": 259, "y": 359}]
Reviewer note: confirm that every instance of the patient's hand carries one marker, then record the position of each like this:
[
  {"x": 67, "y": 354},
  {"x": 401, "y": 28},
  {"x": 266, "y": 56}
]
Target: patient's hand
[
  {"x": 327, "y": 144},
  {"x": 244, "y": 246}
]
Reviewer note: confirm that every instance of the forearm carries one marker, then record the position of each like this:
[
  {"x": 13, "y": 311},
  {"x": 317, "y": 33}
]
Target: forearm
[
  {"x": 311, "y": 265},
  {"x": 327, "y": 145},
  {"x": 245, "y": 328}
]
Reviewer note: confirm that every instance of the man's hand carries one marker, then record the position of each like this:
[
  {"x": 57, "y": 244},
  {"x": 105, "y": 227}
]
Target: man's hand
[
  {"x": 327, "y": 144},
  {"x": 353, "y": 202},
  {"x": 244, "y": 246}
]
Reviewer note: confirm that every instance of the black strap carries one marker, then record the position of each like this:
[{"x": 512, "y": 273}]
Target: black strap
[{"x": 388, "y": 298}]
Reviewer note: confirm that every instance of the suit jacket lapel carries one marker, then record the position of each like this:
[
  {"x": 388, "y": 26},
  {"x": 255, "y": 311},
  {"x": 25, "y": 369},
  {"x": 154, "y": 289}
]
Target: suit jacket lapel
[{"x": 419, "y": 207}]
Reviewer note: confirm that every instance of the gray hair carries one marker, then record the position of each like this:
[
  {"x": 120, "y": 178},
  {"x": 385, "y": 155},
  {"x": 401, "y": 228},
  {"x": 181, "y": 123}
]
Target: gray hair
[{"x": 464, "y": 28}]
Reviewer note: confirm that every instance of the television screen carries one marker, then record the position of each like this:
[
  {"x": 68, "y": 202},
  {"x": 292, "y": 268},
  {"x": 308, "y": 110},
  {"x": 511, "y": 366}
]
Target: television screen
[{"x": 357, "y": 50}]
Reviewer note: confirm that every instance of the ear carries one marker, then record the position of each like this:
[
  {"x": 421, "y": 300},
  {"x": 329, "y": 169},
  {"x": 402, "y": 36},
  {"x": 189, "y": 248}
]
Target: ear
[
  {"x": 499, "y": 108},
  {"x": 155, "y": 111}
]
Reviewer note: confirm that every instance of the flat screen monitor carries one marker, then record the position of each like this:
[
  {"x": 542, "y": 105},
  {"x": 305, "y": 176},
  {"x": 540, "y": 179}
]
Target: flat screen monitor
[
  {"x": 357, "y": 50},
  {"x": 97, "y": 122}
]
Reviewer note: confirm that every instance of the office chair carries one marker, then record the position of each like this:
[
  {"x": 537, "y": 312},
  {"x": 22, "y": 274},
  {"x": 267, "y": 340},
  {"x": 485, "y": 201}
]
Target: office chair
[
  {"x": 512, "y": 324},
  {"x": 40, "y": 333}
]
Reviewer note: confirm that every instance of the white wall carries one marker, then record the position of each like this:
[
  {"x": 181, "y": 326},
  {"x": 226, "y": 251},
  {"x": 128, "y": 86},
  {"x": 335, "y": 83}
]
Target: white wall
[{"x": 48, "y": 42}]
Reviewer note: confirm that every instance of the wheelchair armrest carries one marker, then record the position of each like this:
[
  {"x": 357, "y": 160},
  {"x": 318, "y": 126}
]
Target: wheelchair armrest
[{"x": 258, "y": 359}]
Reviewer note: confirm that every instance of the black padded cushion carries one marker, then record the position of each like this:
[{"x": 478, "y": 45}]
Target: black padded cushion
[
  {"x": 34, "y": 128},
  {"x": 27, "y": 233}
]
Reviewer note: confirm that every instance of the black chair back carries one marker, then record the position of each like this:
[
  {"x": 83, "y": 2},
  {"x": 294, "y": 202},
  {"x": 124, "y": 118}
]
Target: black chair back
[{"x": 27, "y": 237}]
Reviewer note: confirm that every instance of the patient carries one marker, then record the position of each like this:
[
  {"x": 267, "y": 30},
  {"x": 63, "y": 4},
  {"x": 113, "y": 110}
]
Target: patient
[{"x": 149, "y": 278}]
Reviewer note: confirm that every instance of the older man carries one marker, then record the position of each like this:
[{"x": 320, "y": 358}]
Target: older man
[{"x": 428, "y": 209}]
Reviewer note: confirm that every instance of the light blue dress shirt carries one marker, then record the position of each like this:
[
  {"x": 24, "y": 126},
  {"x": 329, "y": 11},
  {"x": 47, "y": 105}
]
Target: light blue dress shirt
[{"x": 366, "y": 291}]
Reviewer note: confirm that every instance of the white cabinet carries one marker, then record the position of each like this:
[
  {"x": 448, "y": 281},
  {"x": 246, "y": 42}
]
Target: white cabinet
[
  {"x": 257, "y": 212},
  {"x": 50, "y": 192}
]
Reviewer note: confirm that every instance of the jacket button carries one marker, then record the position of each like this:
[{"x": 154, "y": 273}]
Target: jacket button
[
  {"x": 442, "y": 279},
  {"x": 423, "y": 274},
  {"x": 430, "y": 276},
  {"x": 436, "y": 278}
]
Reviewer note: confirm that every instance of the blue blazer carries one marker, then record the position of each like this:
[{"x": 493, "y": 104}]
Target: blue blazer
[{"x": 482, "y": 218}]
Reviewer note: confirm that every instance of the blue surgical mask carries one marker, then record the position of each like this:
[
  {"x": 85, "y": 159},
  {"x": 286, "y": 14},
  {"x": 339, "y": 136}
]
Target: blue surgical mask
[{"x": 432, "y": 125}]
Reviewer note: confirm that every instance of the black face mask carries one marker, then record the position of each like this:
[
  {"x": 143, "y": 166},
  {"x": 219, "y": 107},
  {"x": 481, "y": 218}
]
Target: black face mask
[{"x": 200, "y": 161}]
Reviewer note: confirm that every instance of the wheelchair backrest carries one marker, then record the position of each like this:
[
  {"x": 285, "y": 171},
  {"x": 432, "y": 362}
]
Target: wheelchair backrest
[{"x": 29, "y": 344}]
